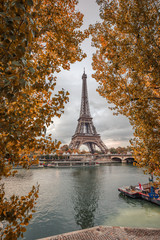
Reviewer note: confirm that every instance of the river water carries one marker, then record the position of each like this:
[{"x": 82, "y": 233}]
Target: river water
[{"x": 74, "y": 198}]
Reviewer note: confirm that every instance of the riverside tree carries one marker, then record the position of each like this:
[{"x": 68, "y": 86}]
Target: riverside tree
[
  {"x": 127, "y": 68},
  {"x": 37, "y": 39}
]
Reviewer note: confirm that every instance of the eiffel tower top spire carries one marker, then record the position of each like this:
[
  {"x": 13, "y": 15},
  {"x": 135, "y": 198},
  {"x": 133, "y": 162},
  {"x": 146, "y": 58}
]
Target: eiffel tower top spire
[{"x": 84, "y": 112}]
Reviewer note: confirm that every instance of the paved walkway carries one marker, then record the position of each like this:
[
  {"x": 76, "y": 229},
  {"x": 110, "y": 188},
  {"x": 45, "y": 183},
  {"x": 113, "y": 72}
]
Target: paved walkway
[{"x": 110, "y": 233}]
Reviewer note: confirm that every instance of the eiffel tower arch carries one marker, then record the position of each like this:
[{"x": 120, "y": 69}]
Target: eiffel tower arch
[{"x": 86, "y": 133}]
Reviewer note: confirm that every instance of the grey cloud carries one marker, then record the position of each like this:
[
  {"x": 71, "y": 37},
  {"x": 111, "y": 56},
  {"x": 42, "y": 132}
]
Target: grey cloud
[{"x": 114, "y": 130}]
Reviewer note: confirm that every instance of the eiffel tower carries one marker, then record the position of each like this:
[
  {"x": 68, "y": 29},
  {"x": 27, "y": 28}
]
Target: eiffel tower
[{"x": 86, "y": 132}]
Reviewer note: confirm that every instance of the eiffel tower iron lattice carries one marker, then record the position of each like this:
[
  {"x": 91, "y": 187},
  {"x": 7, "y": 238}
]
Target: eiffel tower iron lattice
[{"x": 86, "y": 132}]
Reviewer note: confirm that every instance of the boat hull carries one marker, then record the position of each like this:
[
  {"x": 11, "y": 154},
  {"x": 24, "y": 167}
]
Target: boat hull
[
  {"x": 147, "y": 198},
  {"x": 129, "y": 194},
  {"x": 134, "y": 192}
]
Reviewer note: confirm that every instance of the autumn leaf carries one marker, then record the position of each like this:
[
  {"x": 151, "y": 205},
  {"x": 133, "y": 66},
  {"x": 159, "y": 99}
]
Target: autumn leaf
[
  {"x": 38, "y": 38},
  {"x": 127, "y": 68}
]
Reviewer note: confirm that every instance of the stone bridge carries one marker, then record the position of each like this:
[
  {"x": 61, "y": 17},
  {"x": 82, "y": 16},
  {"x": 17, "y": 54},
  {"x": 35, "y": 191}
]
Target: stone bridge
[
  {"x": 125, "y": 158},
  {"x": 116, "y": 157}
]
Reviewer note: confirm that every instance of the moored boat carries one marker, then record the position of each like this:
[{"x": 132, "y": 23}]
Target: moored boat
[
  {"x": 129, "y": 191},
  {"x": 144, "y": 191}
]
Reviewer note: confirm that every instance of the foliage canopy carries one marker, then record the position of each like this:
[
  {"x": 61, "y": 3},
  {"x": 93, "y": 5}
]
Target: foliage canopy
[
  {"x": 127, "y": 65},
  {"x": 37, "y": 39}
]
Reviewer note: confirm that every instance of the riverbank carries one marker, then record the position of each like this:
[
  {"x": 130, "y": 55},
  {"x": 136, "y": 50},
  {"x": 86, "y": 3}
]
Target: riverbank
[{"x": 109, "y": 233}]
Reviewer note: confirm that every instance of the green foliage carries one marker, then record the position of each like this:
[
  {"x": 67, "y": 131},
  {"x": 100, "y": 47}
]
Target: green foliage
[{"x": 120, "y": 150}]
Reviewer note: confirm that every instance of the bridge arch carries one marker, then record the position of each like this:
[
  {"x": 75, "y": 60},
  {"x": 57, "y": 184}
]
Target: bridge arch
[
  {"x": 129, "y": 160},
  {"x": 116, "y": 159}
]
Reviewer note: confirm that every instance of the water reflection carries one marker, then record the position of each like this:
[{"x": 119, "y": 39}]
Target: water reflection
[
  {"x": 137, "y": 202},
  {"x": 130, "y": 201},
  {"x": 85, "y": 196}
]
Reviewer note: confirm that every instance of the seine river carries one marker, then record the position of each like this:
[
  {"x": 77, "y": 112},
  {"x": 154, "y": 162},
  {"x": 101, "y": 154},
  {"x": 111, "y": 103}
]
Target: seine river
[{"x": 74, "y": 198}]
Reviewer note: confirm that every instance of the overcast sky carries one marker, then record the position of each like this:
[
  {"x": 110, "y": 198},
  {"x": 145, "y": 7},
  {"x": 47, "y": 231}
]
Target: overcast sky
[{"x": 114, "y": 130}]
